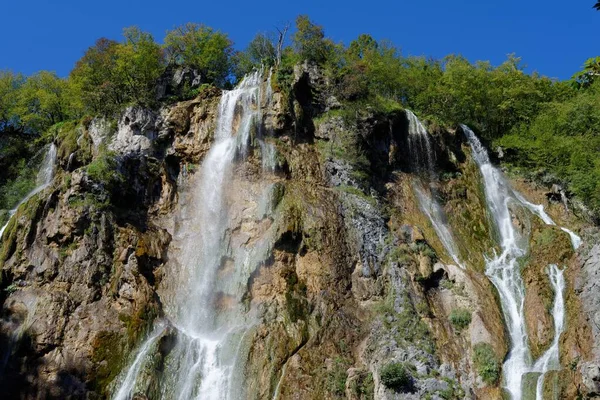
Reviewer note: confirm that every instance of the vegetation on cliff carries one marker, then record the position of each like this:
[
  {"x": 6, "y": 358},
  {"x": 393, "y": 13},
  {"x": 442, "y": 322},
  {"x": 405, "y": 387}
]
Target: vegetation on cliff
[{"x": 548, "y": 126}]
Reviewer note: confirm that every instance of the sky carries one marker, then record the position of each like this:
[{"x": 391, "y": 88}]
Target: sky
[{"x": 553, "y": 37}]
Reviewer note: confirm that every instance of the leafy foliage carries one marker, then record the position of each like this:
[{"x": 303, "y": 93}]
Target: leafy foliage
[
  {"x": 460, "y": 318},
  {"x": 486, "y": 363},
  {"x": 396, "y": 376},
  {"x": 103, "y": 170},
  {"x": 310, "y": 42},
  {"x": 261, "y": 52},
  {"x": 203, "y": 48}
]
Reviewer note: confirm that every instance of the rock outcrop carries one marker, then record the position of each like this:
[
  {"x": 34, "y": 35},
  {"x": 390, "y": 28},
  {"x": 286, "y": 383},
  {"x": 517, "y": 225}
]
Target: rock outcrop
[{"x": 355, "y": 280}]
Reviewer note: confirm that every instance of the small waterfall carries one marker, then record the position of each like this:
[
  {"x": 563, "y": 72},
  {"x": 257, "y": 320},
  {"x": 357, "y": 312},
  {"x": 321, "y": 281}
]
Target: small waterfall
[
  {"x": 207, "y": 312},
  {"x": 505, "y": 273},
  {"x": 423, "y": 161},
  {"x": 550, "y": 360},
  {"x": 42, "y": 180},
  {"x": 539, "y": 211},
  {"x": 419, "y": 144}
]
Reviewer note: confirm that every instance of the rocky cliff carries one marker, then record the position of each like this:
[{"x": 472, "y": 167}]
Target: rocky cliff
[{"x": 357, "y": 298}]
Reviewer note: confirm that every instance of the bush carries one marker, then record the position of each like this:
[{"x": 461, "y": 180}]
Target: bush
[
  {"x": 460, "y": 318},
  {"x": 486, "y": 363},
  {"x": 103, "y": 170},
  {"x": 396, "y": 376},
  {"x": 337, "y": 376}
]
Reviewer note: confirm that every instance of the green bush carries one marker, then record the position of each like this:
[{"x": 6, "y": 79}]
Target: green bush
[
  {"x": 104, "y": 170},
  {"x": 396, "y": 376},
  {"x": 460, "y": 318},
  {"x": 486, "y": 363},
  {"x": 337, "y": 376}
]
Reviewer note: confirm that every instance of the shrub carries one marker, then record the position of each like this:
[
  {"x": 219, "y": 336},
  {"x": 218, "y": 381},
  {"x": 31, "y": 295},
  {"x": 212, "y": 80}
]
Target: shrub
[
  {"x": 337, "y": 376},
  {"x": 460, "y": 318},
  {"x": 486, "y": 363},
  {"x": 396, "y": 376},
  {"x": 103, "y": 170}
]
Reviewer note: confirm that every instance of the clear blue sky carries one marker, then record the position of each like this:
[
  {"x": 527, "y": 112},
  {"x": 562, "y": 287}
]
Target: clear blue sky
[{"x": 553, "y": 37}]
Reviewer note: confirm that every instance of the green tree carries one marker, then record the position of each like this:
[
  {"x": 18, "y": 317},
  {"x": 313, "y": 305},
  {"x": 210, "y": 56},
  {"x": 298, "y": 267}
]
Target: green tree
[
  {"x": 202, "y": 48},
  {"x": 591, "y": 71},
  {"x": 43, "y": 100},
  {"x": 261, "y": 52},
  {"x": 9, "y": 86},
  {"x": 309, "y": 41},
  {"x": 139, "y": 64},
  {"x": 95, "y": 77}
]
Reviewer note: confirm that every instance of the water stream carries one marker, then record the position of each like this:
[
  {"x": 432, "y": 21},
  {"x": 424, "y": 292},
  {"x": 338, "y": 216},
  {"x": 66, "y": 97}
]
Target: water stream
[
  {"x": 423, "y": 162},
  {"x": 207, "y": 311},
  {"x": 504, "y": 271},
  {"x": 43, "y": 179}
]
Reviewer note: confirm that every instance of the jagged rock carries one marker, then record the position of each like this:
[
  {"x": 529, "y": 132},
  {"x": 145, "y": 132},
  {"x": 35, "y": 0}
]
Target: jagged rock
[
  {"x": 175, "y": 81},
  {"x": 591, "y": 377},
  {"x": 137, "y": 129},
  {"x": 98, "y": 130}
]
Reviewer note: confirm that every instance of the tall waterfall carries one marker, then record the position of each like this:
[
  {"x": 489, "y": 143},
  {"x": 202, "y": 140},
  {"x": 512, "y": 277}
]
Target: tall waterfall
[
  {"x": 505, "y": 273},
  {"x": 206, "y": 312},
  {"x": 423, "y": 161},
  {"x": 42, "y": 180}
]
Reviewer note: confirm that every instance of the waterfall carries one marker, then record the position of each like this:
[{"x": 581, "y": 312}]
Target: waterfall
[
  {"x": 419, "y": 144},
  {"x": 42, "y": 180},
  {"x": 423, "y": 160},
  {"x": 538, "y": 209},
  {"x": 505, "y": 273},
  {"x": 550, "y": 360},
  {"x": 206, "y": 312}
]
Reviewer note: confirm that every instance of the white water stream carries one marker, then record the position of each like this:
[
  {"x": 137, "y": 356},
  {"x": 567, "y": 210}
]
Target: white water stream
[
  {"x": 207, "y": 310},
  {"x": 505, "y": 273},
  {"x": 423, "y": 161},
  {"x": 43, "y": 179}
]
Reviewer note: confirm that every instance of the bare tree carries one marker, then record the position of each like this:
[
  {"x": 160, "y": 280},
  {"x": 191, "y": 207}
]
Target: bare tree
[{"x": 280, "y": 42}]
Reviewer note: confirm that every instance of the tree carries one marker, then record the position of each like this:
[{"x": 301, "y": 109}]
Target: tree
[
  {"x": 111, "y": 75},
  {"x": 260, "y": 52},
  {"x": 585, "y": 78},
  {"x": 139, "y": 64},
  {"x": 9, "y": 86},
  {"x": 42, "y": 101},
  {"x": 309, "y": 41},
  {"x": 597, "y": 6},
  {"x": 202, "y": 48},
  {"x": 95, "y": 76}
]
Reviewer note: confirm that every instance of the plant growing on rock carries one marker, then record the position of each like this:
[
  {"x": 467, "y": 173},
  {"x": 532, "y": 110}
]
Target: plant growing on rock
[
  {"x": 486, "y": 363},
  {"x": 396, "y": 376},
  {"x": 460, "y": 318}
]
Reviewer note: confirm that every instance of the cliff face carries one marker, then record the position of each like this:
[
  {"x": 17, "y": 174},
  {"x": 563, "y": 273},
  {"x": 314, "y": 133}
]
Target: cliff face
[{"x": 356, "y": 284}]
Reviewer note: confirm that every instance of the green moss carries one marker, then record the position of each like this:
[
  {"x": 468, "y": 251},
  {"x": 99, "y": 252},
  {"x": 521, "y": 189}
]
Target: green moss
[
  {"x": 103, "y": 170},
  {"x": 108, "y": 355},
  {"x": 66, "y": 137},
  {"x": 486, "y": 363},
  {"x": 140, "y": 322}
]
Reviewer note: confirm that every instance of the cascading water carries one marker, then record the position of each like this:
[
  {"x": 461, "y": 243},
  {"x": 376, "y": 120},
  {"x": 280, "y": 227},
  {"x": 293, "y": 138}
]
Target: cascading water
[
  {"x": 43, "y": 179},
  {"x": 538, "y": 209},
  {"x": 206, "y": 312},
  {"x": 419, "y": 144},
  {"x": 423, "y": 161},
  {"x": 550, "y": 360},
  {"x": 505, "y": 273}
]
